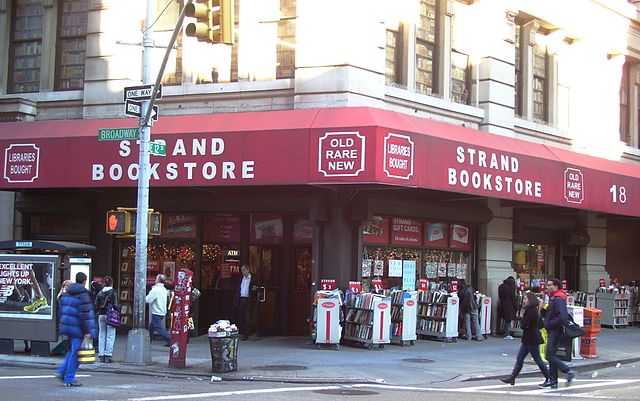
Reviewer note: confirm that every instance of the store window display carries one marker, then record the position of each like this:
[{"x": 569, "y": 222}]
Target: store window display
[
  {"x": 398, "y": 251},
  {"x": 163, "y": 257},
  {"x": 533, "y": 263}
]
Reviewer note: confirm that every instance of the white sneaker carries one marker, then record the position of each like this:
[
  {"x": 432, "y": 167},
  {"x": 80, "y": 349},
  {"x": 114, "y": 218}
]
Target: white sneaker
[{"x": 509, "y": 338}]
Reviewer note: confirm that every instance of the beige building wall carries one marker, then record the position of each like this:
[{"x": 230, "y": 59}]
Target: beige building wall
[{"x": 340, "y": 61}]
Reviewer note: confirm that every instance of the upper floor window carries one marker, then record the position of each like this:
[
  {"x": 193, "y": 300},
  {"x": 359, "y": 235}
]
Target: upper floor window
[
  {"x": 540, "y": 83},
  {"x": 394, "y": 66},
  {"x": 426, "y": 43},
  {"x": 71, "y": 44},
  {"x": 168, "y": 12},
  {"x": 625, "y": 104},
  {"x": 286, "y": 51},
  {"x": 26, "y": 46},
  {"x": 460, "y": 77},
  {"x": 518, "y": 68},
  {"x": 236, "y": 41},
  {"x": 534, "y": 75}
]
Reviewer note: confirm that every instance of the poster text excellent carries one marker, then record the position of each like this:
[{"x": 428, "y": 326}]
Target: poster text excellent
[
  {"x": 15, "y": 273},
  {"x": 208, "y": 170}
]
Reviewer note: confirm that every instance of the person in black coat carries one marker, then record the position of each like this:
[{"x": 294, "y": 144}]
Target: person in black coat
[
  {"x": 77, "y": 321},
  {"x": 531, "y": 340},
  {"x": 469, "y": 311},
  {"x": 507, "y": 297}
]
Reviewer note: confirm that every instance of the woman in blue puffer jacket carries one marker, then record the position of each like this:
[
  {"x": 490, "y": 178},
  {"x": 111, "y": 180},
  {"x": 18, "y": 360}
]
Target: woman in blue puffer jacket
[{"x": 77, "y": 320}]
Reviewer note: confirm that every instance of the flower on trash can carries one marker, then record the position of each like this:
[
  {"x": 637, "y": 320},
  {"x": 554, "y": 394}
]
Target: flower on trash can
[{"x": 222, "y": 327}]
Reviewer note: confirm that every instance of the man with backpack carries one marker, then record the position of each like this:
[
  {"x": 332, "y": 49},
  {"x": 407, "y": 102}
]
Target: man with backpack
[
  {"x": 469, "y": 310},
  {"x": 76, "y": 322},
  {"x": 556, "y": 319}
]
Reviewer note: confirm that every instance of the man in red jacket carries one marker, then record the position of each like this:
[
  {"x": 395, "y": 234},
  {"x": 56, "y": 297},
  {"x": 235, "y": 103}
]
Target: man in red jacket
[{"x": 555, "y": 321}]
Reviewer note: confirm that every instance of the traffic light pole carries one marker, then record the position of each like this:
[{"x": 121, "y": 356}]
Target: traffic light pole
[{"x": 138, "y": 344}]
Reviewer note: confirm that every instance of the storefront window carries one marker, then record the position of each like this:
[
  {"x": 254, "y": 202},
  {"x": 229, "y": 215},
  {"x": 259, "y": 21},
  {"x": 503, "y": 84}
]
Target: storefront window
[
  {"x": 398, "y": 251},
  {"x": 533, "y": 263},
  {"x": 162, "y": 258}
]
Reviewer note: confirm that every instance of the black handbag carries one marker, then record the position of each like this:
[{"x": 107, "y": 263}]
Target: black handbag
[{"x": 572, "y": 330}]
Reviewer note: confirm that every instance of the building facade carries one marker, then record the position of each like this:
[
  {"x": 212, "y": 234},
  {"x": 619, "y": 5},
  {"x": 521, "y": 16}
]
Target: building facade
[{"x": 486, "y": 138}]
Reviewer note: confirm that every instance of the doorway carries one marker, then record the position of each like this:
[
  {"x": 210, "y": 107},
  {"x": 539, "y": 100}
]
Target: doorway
[
  {"x": 300, "y": 292},
  {"x": 265, "y": 263}
]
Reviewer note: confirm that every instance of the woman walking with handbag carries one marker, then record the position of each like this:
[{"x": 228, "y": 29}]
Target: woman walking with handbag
[
  {"x": 106, "y": 308},
  {"x": 531, "y": 339}
]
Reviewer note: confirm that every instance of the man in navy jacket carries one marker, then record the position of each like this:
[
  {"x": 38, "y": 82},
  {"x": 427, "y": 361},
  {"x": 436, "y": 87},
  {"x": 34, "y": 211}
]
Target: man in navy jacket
[
  {"x": 556, "y": 319},
  {"x": 77, "y": 321}
]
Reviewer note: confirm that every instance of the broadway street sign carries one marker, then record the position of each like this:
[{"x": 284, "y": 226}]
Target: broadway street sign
[{"x": 118, "y": 134}]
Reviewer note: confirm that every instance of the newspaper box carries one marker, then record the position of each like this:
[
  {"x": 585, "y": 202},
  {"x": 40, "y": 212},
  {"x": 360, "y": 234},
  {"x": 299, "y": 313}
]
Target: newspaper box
[{"x": 328, "y": 329}]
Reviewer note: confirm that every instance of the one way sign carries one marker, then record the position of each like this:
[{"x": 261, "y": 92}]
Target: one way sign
[
  {"x": 134, "y": 109},
  {"x": 141, "y": 92}
]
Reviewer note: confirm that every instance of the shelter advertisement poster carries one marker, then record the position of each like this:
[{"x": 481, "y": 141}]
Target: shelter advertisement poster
[{"x": 26, "y": 287}]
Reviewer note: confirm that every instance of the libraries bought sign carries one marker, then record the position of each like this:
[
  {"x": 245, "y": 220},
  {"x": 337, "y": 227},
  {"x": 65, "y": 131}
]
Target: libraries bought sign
[{"x": 21, "y": 163}]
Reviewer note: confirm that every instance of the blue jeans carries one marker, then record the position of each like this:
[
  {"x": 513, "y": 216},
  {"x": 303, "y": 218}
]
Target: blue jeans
[
  {"x": 469, "y": 318},
  {"x": 157, "y": 326},
  {"x": 67, "y": 370},
  {"x": 106, "y": 337},
  {"x": 554, "y": 362},
  {"x": 534, "y": 350}
]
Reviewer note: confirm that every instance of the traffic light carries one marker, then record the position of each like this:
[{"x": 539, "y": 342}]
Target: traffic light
[
  {"x": 155, "y": 223},
  {"x": 118, "y": 222},
  {"x": 214, "y": 20},
  {"x": 122, "y": 221}
]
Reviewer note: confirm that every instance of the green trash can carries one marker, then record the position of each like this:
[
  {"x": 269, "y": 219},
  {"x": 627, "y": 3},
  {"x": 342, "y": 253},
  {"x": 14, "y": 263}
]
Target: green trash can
[{"x": 224, "y": 351}]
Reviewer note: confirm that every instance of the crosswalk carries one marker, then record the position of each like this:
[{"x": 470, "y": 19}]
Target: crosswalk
[{"x": 578, "y": 389}]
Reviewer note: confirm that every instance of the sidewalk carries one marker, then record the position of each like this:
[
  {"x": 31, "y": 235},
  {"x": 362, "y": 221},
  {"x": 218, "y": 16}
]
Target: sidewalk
[{"x": 295, "y": 359}]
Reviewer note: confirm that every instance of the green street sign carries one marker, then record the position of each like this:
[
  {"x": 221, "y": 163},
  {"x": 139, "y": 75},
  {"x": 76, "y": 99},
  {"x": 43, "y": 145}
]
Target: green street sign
[
  {"x": 157, "y": 148},
  {"x": 118, "y": 134}
]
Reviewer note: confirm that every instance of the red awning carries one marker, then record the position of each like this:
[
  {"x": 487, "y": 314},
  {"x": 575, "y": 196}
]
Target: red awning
[{"x": 320, "y": 146}]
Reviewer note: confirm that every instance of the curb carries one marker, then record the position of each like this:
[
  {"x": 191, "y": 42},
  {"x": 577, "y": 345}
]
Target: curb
[
  {"x": 581, "y": 368},
  {"x": 208, "y": 375}
]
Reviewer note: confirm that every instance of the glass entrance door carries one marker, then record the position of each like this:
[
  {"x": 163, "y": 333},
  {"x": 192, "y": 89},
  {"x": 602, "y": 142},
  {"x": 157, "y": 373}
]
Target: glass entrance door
[
  {"x": 300, "y": 303},
  {"x": 265, "y": 263}
]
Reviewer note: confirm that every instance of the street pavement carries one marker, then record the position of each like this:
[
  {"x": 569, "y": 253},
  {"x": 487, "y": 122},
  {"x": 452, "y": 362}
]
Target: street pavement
[
  {"x": 39, "y": 384},
  {"x": 295, "y": 360}
]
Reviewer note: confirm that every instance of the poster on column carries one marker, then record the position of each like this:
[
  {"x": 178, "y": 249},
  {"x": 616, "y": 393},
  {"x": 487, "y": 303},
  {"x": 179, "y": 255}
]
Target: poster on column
[
  {"x": 378, "y": 268},
  {"x": 366, "y": 267},
  {"x": 222, "y": 228},
  {"x": 460, "y": 237},
  {"x": 395, "y": 268},
  {"x": 180, "y": 314},
  {"x": 409, "y": 275},
  {"x": 436, "y": 235},
  {"x": 376, "y": 231},
  {"x": 26, "y": 287}
]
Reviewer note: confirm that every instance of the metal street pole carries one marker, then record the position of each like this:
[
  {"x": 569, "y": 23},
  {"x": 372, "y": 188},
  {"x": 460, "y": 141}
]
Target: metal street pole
[{"x": 138, "y": 345}]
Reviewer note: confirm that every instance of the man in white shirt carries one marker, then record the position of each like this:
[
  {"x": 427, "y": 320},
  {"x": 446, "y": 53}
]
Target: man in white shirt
[
  {"x": 157, "y": 300},
  {"x": 243, "y": 304}
]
